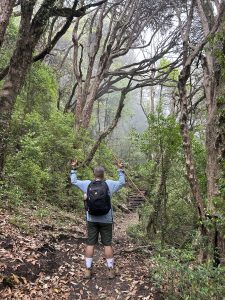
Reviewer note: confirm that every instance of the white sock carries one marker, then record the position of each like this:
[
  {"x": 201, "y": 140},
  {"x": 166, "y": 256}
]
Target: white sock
[
  {"x": 88, "y": 261},
  {"x": 110, "y": 262}
]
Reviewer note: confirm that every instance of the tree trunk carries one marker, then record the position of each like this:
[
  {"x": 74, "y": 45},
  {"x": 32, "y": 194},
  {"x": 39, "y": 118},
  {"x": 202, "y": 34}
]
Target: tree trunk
[
  {"x": 220, "y": 141},
  {"x": 212, "y": 165},
  {"x": 190, "y": 166},
  {"x": 212, "y": 75},
  {"x": 6, "y": 8},
  {"x": 220, "y": 146},
  {"x": 209, "y": 83},
  {"x": 108, "y": 39},
  {"x": 20, "y": 62},
  {"x": 152, "y": 96},
  {"x": 158, "y": 218},
  {"x": 107, "y": 131}
]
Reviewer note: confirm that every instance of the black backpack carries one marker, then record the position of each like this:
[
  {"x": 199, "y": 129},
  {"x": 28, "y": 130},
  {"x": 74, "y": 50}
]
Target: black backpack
[{"x": 98, "y": 198}]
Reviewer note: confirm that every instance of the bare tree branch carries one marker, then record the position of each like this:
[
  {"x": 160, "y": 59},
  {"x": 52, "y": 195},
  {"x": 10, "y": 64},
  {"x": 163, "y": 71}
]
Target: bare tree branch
[
  {"x": 103, "y": 135},
  {"x": 67, "y": 12}
]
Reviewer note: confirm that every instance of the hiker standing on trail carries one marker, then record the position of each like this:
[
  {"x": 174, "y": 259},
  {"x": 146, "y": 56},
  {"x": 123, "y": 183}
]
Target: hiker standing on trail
[{"x": 99, "y": 213}]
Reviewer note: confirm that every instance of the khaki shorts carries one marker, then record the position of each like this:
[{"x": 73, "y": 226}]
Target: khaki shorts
[{"x": 105, "y": 230}]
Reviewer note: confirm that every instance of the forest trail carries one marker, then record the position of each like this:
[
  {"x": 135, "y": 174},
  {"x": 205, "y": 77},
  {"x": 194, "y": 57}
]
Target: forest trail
[
  {"x": 50, "y": 264},
  {"x": 135, "y": 199}
]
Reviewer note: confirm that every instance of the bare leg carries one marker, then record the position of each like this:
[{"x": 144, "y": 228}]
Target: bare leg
[
  {"x": 108, "y": 252},
  {"x": 110, "y": 261},
  {"x": 89, "y": 252}
]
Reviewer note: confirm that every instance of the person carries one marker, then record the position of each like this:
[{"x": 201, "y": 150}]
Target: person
[{"x": 99, "y": 213}]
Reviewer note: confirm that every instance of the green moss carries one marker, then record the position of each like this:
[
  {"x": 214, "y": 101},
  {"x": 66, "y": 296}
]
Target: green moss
[{"x": 20, "y": 222}]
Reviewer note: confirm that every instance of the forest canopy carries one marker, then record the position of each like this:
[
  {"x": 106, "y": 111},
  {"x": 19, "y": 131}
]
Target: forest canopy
[{"x": 141, "y": 81}]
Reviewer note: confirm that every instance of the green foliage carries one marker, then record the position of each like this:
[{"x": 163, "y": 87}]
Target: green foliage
[
  {"x": 40, "y": 92},
  {"x": 42, "y": 142},
  {"x": 9, "y": 43},
  {"x": 40, "y": 165},
  {"x": 173, "y": 75},
  {"x": 217, "y": 44},
  {"x": 42, "y": 213},
  {"x": 19, "y": 221},
  {"x": 180, "y": 277},
  {"x": 136, "y": 232},
  {"x": 12, "y": 195},
  {"x": 119, "y": 197},
  {"x": 162, "y": 146},
  {"x": 163, "y": 132}
]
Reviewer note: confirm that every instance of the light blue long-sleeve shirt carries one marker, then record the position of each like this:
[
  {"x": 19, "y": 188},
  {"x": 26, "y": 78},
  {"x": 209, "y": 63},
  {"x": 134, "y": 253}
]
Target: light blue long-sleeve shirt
[{"x": 113, "y": 185}]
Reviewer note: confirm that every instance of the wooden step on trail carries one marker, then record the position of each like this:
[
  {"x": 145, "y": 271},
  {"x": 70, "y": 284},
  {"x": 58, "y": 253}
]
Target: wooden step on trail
[{"x": 136, "y": 199}]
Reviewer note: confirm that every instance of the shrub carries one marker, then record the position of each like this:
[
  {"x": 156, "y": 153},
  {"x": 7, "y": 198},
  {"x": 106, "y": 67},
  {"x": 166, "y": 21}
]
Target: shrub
[{"x": 180, "y": 277}]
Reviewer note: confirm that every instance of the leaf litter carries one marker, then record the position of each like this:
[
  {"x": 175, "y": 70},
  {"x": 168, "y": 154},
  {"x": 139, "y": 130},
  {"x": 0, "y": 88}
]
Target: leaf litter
[{"x": 49, "y": 264}]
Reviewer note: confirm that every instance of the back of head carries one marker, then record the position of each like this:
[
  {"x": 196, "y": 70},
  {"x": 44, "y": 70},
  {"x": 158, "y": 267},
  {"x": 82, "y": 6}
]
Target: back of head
[{"x": 99, "y": 173}]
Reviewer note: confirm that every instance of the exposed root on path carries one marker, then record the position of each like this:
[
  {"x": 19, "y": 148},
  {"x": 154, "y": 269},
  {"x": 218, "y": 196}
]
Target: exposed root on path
[{"x": 49, "y": 264}]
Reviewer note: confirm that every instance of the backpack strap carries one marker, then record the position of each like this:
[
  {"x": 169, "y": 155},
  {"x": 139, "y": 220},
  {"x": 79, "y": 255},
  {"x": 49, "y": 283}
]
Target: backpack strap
[{"x": 110, "y": 203}]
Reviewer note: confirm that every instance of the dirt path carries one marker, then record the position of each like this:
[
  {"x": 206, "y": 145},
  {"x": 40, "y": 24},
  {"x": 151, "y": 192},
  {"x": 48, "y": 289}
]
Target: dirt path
[{"x": 50, "y": 266}]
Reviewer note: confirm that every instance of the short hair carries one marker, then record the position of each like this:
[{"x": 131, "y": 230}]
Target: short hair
[{"x": 99, "y": 172}]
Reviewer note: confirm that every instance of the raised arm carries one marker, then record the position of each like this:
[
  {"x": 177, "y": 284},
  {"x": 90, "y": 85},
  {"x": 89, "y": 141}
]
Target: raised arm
[
  {"x": 116, "y": 185},
  {"x": 81, "y": 184}
]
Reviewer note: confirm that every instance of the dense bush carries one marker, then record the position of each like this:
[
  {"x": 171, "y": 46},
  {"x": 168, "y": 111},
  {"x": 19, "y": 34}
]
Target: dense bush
[
  {"x": 42, "y": 142},
  {"x": 39, "y": 162},
  {"x": 161, "y": 145},
  {"x": 180, "y": 277}
]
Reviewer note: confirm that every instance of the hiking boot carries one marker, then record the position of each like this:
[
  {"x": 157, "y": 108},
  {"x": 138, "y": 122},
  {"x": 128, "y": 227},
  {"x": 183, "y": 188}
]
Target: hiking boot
[
  {"x": 87, "y": 273},
  {"x": 111, "y": 273}
]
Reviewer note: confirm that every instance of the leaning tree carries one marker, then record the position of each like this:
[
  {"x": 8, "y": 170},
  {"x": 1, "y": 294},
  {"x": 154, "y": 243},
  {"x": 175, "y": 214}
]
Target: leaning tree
[
  {"x": 198, "y": 33},
  {"x": 108, "y": 36},
  {"x": 104, "y": 41},
  {"x": 33, "y": 20}
]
